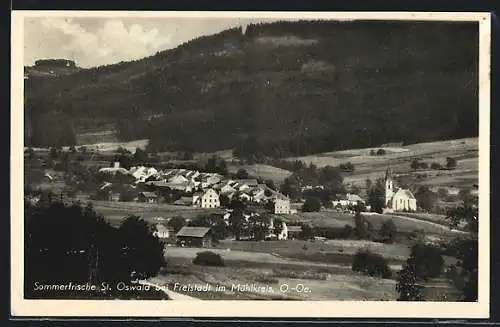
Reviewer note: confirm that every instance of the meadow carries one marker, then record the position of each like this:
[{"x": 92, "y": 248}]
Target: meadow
[{"x": 465, "y": 151}]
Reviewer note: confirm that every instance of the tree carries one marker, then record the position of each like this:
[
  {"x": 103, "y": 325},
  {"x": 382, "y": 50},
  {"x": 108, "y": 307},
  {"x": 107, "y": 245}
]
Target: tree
[
  {"x": 259, "y": 227},
  {"x": 451, "y": 163},
  {"x": 241, "y": 174},
  {"x": 53, "y": 153},
  {"x": 236, "y": 220},
  {"x": 311, "y": 205},
  {"x": 407, "y": 284},
  {"x": 361, "y": 228},
  {"x": 435, "y": 166},
  {"x": 270, "y": 183},
  {"x": 224, "y": 200},
  {"x": 216, "y": 164},
  {"x": 143, "y": 251},
  {"x": 376, "y": 197},
  {"x": 140, "y": 156},
  {"x": 415, "y": 164},
  {"x": 291, "y": 188},
  {"x": 176, "y": 223},
  {"x": 278, "y": 225},
  {"x": 89, "y": 249},
  {"x": 425, "y": 198},
  {"x": 467, "y": 247},
  {"x": 306, "y": 232},
  {"x": 388, "y": 231},
  {"x": 425, "y": 262},
  {"x": 372, "y": 264}
]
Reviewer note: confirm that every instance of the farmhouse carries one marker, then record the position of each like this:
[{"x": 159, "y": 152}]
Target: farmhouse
[
  {"x": 148, "y": 197},
  {"x": 206, "y": 199},
  {"x": 398, "y": 199},
  {"x": 115, "y": 169},
  {"x": 194, "y": 237},
  {"x": 282, "y": 205},
  {"x": 162, "y": 232},
  {"x": 345, "y": 200}
]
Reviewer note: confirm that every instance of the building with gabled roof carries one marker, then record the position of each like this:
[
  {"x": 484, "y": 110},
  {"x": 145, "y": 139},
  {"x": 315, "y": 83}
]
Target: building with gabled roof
[
  {"x": 194, "y": 237},
  {"x": 206, "y": 199},
  {"x": 398, "y": 199}
]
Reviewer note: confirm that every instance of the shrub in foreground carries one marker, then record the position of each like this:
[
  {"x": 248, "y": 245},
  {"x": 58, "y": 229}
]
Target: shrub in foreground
[
  {"x": 208, "y": 258},
  {"x": 371, "y": 264}
]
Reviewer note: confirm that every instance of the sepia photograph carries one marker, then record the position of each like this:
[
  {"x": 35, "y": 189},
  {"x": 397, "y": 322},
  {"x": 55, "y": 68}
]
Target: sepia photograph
[{"x": 251, "y": 156}]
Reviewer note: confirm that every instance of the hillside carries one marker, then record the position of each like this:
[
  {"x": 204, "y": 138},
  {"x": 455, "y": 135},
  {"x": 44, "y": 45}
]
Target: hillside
[{"x": 295, "y": 87}]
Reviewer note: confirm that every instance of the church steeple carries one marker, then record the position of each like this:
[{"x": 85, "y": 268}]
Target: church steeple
[
  {"x": 388, "y": 173},
  {"x": 389, "y": 187}
]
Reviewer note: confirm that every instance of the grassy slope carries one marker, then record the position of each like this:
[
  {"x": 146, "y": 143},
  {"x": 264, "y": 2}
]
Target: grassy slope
[{"x": 465, "y": 151}]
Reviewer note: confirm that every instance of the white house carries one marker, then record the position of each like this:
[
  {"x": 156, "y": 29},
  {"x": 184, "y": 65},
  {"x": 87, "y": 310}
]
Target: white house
[
  {"x": 398, "y": 199},
  {"x": 115, "y": 169},
  {"x": 227, "y": 189},
  {"x": 282, "y": 205},
  {"x": 161, "y": 231},
  {"x": 207, "y": 199},
  {"x": 178, "y": 179},
  {"x": 346, "y": 200}
]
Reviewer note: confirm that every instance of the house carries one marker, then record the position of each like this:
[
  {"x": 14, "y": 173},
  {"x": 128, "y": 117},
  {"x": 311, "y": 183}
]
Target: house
[
  {"x": 346, "y": 200},
  {"x": 144, "y": 173},
  {"x": 210, "y": 179},
  {"x": 282, "y": 235},
  {"x": 148, "y": 197},
  {"x": 178, "y": 179},
  {"x": 194, "y": 237},
  {"x": 294, "y": 232},
  {"x": 227, "y": 189},
  {"x": 397, "y": 199},
  {"x": 281, "y": 205},
  {"x": 258, "y": 194},
  {"x": 184, "y": 201},
  {"x": 48, "y": 177},
  {"x": 243, "y": 196},
  {"x": 114, "y": 170},
  {"x": 163, "y": 232},
  {"x": 207, "y": 199}
]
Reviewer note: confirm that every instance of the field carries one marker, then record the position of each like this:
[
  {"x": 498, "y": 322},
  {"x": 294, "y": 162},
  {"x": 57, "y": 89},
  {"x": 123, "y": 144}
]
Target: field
[
  {"x": 115, "y": 212},
  {"x": 465, "y": 151},
  {"x": 277, "y": 175},
  {"x": 270, "y": 265},
  {"x": 331, "y": 218}
]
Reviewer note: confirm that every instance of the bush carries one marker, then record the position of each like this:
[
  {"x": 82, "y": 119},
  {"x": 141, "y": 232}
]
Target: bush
[
  {"x": 435, "y": 166},
  {"x": 388, "y": 231},
  {"x": 208, "y": 258},
  {"x": 427, "y": 260},
  {"x": 311, "y": 205},
  {"x": 371, "y": 264}
]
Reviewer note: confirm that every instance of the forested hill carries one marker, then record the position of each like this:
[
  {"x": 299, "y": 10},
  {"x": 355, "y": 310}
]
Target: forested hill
[{"x": 308, "y": 86}]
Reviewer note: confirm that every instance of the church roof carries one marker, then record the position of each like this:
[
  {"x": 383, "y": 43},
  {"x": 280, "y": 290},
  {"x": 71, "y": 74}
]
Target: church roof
[{"x": 405, "y": 192}]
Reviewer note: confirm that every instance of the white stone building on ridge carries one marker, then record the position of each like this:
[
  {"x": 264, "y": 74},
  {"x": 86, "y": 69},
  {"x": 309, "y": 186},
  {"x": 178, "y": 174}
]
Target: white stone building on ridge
[
  {"x": 206, "y": 199},
  {"x": 397, "y": 199}
]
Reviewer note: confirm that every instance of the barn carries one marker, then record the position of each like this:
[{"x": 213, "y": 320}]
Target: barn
[{"x": 194, "y": 237}]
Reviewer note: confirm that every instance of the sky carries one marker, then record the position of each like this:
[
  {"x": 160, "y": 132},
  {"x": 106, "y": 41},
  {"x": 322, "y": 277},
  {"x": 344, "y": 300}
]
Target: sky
[{"x": 94, "y": 42}]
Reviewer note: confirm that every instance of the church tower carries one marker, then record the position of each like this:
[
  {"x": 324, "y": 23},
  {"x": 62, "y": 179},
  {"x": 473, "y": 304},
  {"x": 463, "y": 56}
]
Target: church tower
[{"x": 389, "y": 186}]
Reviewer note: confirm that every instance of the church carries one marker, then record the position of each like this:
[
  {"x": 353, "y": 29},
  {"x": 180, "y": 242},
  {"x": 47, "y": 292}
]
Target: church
[{"x": 398, "y": 199}]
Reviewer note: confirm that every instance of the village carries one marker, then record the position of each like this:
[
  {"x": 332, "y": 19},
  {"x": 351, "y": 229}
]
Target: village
[{"x": 263, "y": 205}]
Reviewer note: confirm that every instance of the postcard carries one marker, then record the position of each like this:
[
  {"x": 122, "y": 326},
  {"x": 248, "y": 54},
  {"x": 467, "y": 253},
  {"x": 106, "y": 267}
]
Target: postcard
[{"x": 250, "y": 164}]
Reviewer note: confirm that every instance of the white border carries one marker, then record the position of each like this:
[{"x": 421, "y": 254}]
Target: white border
[{"x": 292, "y": 309}]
